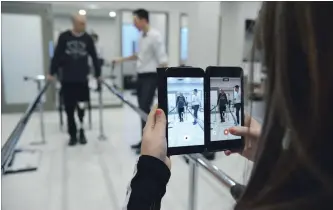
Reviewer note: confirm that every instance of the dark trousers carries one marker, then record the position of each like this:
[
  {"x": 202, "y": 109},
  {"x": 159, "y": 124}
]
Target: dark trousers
[
  {"x": 181, "y": 113},
  {"x": 195, "y": 108},
  {"x": 146, "y": 86},
  {"x": 222, "y": 112},
  {"x": 238, "y": 107},
  {"x": 73, "y": 93}
]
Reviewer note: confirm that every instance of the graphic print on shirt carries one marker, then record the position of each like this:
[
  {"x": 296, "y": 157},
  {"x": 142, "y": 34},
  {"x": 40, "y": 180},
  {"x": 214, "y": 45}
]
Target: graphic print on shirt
[{"x": 76, "y": 49}]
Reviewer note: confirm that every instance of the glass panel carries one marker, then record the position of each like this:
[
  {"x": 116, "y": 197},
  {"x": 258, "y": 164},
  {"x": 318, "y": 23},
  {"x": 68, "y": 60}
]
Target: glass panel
[
  {"x": 22, "y": 56},
  {"x": 130, "y": 36},
  {"x": 183, "y": 39}
]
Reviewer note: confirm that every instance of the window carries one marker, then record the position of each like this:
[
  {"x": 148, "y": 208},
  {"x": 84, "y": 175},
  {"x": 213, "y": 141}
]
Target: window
[
  {"x": 130, "y": 37},
  {"x": 183, "y": 39},
  {"x": 184, "y": 43}
]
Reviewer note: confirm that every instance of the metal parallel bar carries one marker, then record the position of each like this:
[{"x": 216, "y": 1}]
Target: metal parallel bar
[
  {"x": 214, "y": 170},
  {"x": 193, "y": 186},
  {"x": 142, "y": 114},
  {"x": 235, "y": 188},
  {"x": 9, "y": 147},
  {"x": 41, "y": 115}
]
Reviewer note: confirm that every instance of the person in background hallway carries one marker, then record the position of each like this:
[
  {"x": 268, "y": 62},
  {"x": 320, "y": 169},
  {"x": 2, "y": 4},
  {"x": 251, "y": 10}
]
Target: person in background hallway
[
  {"x": 238, "y": 102},
  {"x": 195, "y": 105},
  {"x": 151, "y": 55},
  {"x": 222, "y": 102},
  {"x": 71, "y": 56},
  {"x": 181, "y": 103},
  {"x": 292, "y": 152}
]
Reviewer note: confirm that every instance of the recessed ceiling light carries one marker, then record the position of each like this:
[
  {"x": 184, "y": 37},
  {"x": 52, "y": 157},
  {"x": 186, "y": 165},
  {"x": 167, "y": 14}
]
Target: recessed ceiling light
[
  {"x": 82, "y": 12},
  {"x": 112, "y": 14}
]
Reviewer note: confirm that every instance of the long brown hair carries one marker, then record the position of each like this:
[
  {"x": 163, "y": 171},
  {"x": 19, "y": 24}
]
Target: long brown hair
[{"x": 297, "y": 41}]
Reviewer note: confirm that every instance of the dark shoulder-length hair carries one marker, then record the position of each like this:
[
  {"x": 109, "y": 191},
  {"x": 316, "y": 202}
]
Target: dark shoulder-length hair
[{"x": 294, "y": 163}]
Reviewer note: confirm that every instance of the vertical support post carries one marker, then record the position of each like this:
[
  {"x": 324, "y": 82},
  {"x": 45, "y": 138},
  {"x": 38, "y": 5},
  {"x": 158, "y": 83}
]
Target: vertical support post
[
  {"x": 100, "y": 109},
  {"x": 215, "y": 114},
  {"x": 193, "y": 186},
  {"x": 41, "y": 115}
]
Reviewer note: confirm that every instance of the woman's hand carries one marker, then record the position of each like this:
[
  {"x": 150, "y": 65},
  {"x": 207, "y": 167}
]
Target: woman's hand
[
  {"x": 154, "y": 141},
  {"x": 251, "y": 131}
]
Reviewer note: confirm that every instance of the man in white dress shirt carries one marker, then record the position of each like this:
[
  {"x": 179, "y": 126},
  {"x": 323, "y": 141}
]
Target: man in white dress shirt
[
  {"x": 238, "y": 102},
  {"x": 151, "y": 55},
  {"x": 195, "y": 105}
]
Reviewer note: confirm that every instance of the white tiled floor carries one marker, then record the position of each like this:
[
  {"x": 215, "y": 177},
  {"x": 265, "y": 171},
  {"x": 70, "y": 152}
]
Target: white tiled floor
[
  {"x": 95, "y": 176},
  {"x": 185, "y": 133}
]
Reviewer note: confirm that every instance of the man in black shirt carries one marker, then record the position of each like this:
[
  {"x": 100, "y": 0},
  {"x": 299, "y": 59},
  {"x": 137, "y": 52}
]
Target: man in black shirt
[
  {"x": 71, "y": 57},
  {"x": 222, "y": 101}
]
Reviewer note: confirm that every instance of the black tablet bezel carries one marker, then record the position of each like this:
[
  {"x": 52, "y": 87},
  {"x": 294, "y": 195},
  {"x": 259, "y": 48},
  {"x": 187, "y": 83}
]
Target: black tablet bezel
[
  {"x": 218, "y": 71},
  {"x": 163, "y": 73}
]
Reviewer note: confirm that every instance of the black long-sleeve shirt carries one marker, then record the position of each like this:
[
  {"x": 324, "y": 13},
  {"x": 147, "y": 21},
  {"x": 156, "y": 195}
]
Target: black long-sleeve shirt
[
  {"x": 182, "y": 101},
  {"x": 71, "y": 56},
  {"x": 148, "y": 185},
  {"x": 222, "y": 99}
]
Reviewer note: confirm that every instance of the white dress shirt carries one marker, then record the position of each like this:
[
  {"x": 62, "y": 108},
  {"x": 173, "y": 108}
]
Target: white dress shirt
[
  {"x": 237, "y": 97},
  {"x": 151, "y": 52},
  {"x": 195, "y": 100}
]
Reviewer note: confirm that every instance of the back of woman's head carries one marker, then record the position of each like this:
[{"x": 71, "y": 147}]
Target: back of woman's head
[{"x": 294, "y": 163}]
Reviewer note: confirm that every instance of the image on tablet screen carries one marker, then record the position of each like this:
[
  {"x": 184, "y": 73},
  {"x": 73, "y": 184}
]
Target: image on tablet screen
[
  {"x": 225, "y": 110},
  {"x": 185, "y": 111}
]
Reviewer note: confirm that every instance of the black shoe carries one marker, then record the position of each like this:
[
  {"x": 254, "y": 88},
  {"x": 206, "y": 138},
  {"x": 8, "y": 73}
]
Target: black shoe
[
  {"x": 72, "y": 141},
  {"x": 82, "y": 137},
  {"x": 136, "y": 146}
]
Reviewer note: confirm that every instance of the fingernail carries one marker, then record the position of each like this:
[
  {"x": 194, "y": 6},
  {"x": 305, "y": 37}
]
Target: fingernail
[
  {"x": 227, "y": 153},
  {"x": 158, "y": 111},
  {"x": 232, "y": 130}
]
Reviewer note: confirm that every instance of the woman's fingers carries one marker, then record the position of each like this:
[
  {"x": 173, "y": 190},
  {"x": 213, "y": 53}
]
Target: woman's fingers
[
  {"x": 160, "y": 122},
  {"x": 244, "y": 131},
  {"x": 151, "y": 119}
]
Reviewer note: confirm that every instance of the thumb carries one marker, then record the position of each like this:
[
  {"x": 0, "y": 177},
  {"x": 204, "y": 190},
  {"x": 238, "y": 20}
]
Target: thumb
[
  {"x": 244, "y": 131},
  {"x": 160, "y": 121}
]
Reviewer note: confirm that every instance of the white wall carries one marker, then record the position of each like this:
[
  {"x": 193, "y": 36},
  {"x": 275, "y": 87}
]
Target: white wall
[
  {"x": 234, "y": 15},
  {"x": 203, "y": 27}
]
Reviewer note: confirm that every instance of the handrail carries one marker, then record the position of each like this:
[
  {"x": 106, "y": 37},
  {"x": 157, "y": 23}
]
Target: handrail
[
  {"x": 8, "y": 148},
  {"x": 214, "y": 107},
  {"x": 172, "y": 110},
  {"x": 236, "y": 189}
]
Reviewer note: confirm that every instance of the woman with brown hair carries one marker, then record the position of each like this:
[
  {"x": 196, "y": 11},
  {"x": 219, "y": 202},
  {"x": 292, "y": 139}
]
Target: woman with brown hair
[{"x": 293, "y": 167}]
